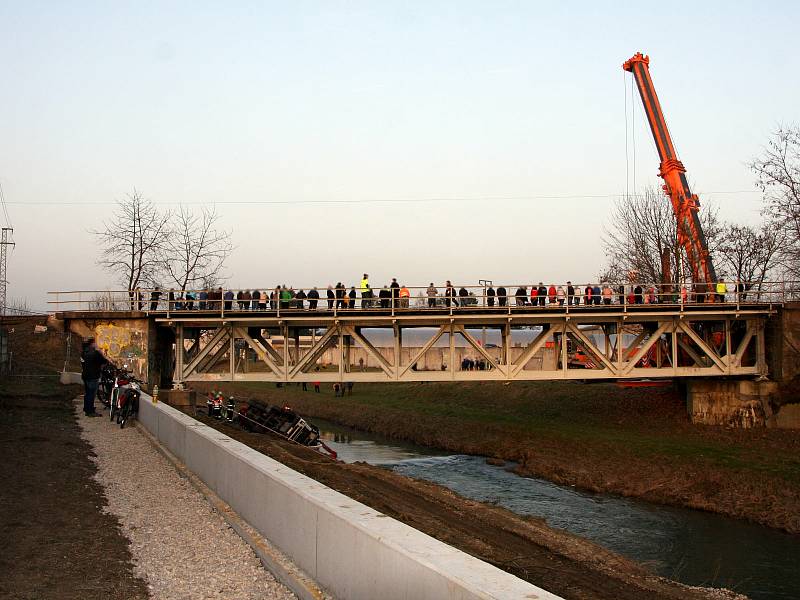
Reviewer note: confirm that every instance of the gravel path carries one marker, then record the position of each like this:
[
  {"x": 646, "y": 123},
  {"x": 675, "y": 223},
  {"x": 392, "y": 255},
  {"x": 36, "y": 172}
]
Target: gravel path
[{"x": 179, "y": 545}]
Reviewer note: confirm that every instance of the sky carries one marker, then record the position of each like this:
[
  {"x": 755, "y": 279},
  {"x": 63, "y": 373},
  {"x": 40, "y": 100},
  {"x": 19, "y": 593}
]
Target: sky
[{"x": 469, "y": 116}]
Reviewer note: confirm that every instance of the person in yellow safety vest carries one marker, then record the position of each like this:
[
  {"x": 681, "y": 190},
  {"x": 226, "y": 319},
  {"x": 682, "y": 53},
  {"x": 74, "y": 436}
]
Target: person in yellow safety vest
[
  {"x": 404, "y": 296},
  {"x": 722, "y": 289},
  {"x": 366, "y": 292}
]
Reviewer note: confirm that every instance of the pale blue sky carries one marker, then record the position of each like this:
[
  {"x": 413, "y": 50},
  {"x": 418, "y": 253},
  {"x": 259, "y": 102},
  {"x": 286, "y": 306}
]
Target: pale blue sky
[{"x": 204, "y": 102}]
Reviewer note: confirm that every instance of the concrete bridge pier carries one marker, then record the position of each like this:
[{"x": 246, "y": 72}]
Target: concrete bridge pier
[{"x": 731, "y": 403}]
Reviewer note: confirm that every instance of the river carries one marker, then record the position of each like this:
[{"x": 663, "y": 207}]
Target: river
[{"x": 689, "y": 546}]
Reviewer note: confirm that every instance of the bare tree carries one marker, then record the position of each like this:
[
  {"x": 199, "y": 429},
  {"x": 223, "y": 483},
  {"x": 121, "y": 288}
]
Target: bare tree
[
  {"x": 778, "y": 175},
  {"x": 748, "y": 254},
  {"x": 643, "y": 239},
  {"x": 132, "y": 241},
  {"x": 196, "y": 250}
]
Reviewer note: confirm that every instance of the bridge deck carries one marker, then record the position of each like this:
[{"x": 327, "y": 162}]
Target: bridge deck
[{"x": 576, "y": 342}]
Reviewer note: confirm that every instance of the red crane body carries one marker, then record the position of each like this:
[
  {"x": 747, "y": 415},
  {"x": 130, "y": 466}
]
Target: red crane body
[{"x": 685, "y": 204}]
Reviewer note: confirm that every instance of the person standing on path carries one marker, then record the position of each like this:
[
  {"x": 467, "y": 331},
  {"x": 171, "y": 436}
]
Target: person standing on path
[{"x": 92, "y": 360}]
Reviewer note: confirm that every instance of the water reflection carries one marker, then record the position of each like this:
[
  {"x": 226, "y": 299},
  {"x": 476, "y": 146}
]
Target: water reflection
[{"x": 690, "y": 546}]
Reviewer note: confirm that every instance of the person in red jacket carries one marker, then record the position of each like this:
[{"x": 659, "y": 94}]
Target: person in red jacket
[{"x": 551, "y": 294}]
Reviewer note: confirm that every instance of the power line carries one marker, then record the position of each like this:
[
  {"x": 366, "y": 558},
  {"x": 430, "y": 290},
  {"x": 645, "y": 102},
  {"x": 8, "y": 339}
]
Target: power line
[{"x": 374, "y": 200}]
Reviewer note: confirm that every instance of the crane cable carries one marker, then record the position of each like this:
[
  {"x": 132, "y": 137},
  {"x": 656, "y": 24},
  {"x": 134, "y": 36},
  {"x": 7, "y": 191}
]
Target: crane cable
[
  {"x": 633, "y": 130},
  {"x": 627, "y": 169}
]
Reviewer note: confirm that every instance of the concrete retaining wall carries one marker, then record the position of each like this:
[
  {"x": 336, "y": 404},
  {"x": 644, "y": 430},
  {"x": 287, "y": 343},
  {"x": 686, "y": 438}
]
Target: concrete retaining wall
[{"x": 352, "y": 550}]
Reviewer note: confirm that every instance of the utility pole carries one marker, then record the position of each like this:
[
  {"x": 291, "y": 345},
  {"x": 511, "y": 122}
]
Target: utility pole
[{"x": 4, "y": 244}]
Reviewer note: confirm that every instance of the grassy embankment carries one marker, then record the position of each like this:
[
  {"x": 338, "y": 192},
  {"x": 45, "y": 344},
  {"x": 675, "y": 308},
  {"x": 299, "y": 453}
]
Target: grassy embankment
[{"x": 633, "y": 442}]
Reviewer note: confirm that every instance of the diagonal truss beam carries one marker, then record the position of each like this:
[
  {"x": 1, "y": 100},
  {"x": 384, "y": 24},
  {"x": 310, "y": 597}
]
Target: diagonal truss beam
[
  {"x": 262, "y": 354},
  {"x": 480, "y": 349},
  {"x": 575, "y": 330},
  {"x": 315, "y": 352},
  {"x": 442, "y": 330},
  {"x": 653, "y": 339},
  {"x": 707, "y": 350},
  {"x": 220, "y": 335},
  {"x": 371, "y": 350},
  {"x": 529, "y": 352},
  {"x": 736, "y": 361}
]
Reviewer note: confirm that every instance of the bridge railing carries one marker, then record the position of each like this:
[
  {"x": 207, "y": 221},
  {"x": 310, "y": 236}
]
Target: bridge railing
[{"x": 454, "y": 298}]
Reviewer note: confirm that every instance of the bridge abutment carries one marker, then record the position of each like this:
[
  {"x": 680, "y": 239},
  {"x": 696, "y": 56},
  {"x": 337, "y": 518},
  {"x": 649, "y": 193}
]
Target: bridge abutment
[{"x": 732, "y": 403}]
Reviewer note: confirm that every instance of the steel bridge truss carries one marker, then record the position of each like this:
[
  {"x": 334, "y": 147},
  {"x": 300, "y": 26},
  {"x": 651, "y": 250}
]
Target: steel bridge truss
[{"x": 609, "y": 345}]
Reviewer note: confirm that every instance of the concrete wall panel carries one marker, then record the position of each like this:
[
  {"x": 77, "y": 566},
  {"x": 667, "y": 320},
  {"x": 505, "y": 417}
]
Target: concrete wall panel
[{"x": 347, "y": 547}]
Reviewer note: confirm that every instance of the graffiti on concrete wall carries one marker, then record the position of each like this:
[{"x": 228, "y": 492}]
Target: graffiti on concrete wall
[{"x": 123, "y": 344}]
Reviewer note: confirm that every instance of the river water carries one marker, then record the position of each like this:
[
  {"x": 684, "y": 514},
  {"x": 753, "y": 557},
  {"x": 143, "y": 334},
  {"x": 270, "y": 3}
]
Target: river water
[{"x": 689, "y": 546}]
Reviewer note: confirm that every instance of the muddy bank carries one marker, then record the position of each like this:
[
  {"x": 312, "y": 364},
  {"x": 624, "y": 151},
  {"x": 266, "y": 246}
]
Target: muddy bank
[
  {"x": 600, "y": 438},
  {"x": 555, "y": 560},
  {"x": 57, "y": 541}
]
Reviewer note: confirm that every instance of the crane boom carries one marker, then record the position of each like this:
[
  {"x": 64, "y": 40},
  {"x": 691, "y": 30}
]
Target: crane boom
[{"x": 685, "y": 204}]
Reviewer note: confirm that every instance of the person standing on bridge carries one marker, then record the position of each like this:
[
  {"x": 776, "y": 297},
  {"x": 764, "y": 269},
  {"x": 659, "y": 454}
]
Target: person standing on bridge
[
  {"x": 541, "y": 294},
  {"x": 385, "y": 296},
  {"x": 313, "y": 298},
  {"x": 404, "y": 296},
  {"x": 722, "y": 289},
  {"x": 502, "y": 296},
  {"x": 228, "y": 299},
  {"x": 92, "y": 360},
  {"x": 351, "y": 297},
  {"x": 570, "y": 293},
  {"x": 255, "y": 298},
  {"x": 154, "y": 297},
  {"x": 432, "y": 292},
  {"x": 331, "y": 297},
  {"x": 450, "y": 294},
  {"x": 366, "y": 292},
  {"x": 395, "y": 289},
  {"x": 490, "y": 294}
]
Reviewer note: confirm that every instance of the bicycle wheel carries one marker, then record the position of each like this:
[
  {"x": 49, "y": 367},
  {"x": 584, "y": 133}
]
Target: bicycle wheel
[{"x": 124, "y": 414}]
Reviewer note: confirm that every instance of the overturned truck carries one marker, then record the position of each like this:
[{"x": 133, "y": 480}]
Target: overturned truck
[{"x": 259, "y": 417}]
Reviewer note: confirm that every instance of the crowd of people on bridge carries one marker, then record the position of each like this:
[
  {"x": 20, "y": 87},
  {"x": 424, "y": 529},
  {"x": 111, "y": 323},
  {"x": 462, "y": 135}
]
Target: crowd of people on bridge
[{"x": 397, "y": 296}]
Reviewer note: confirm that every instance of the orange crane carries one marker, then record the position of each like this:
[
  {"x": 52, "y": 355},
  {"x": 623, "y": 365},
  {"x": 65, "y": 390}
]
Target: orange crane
[{"x": 685, "y": 204}]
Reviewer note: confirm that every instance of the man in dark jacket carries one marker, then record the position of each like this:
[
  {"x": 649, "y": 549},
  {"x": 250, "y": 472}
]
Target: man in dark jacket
[
  {"x": 570, "y": 293},
  {"x": 395, "y": 289},
  {"x": 541, "y": 294},
  {"x": 313, "y": 298},
  {"x": 91, "y": 363},
  {"x": 490, "y": 294},
  {"x": 501, "y": 296}
]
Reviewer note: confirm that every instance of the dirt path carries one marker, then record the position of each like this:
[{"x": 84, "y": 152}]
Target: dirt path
[
  {"x": 559, "y": 562},
  {"x": 56, "y": 540}
]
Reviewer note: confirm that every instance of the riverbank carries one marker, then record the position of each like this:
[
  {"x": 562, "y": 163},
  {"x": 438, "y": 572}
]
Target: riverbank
[
  {"x": 634, "y": 442},
  {"x": 567, "y": 565}
]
